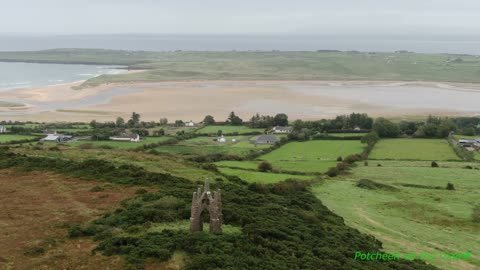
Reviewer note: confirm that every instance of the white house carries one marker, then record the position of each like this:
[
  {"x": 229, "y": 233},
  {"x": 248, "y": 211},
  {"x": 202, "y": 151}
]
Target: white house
[
  {"x": 221, "y": 139},
  {"x": 285, "y": 130},
  {"x": 189, "y": 124},
  {"x": 3, "y": 129},
  {"x": 54, "y": 137},
  {"x": 126, "y": 138}
]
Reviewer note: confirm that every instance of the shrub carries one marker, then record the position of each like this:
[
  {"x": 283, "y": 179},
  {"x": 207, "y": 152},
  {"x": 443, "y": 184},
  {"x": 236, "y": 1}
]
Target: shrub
[
  {"x": 86, "y": 146},
  {"x": 339, "y": 158},
  {"x": 34, "y": 251},
  {"x": 369, "y": 184},
  {"x": 468, "y": 167},
  {"x": 54, "y": 148},
  {"x": 450, "y": 186},
  {"x": 365, "y": 163},
  {"x": 476, "y": 213},
  {"x": 434, "y": 164},
  {"x": 265, "y": 166},
  {"x": 379, "y": 165},
  {"x": 141, "y": 191},
  {"x": 210, "y": 167},
  {"x": 97, "y": 189},
  {"x": 332, "y": 172}
]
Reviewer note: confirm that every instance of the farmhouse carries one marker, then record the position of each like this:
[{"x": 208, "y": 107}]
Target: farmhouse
[
  {"x": 126, "y": 138},
  {"x": 266, "y": 139},
  {"x": 189, "y": 124},
  {"x": 3, "y": 129},
  {"x": 284, "y": 130},
  {"x": 59, "y": 138}
]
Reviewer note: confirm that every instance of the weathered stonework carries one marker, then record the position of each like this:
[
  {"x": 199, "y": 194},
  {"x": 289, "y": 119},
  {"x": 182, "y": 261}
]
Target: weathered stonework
[{"x": 206, "y": 200}]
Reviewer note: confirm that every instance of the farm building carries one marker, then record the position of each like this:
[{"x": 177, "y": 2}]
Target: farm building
[
  {"x": 266, "y": 139},
  {"x": 3, "y": 129},
  {"x": 221, "y": 139},
  {"x": 468, "y": 143},
  {"x": 54, "y": 137},
  {"x": 189, "y": 124},
  {"x": 284, "y": 130},
  {"x": 126, "y": 138}
]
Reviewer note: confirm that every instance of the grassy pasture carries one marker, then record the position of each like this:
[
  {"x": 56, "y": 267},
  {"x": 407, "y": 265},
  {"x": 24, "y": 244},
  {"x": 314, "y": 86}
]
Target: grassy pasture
[
  {"x": 343, "y": 135},
  {"x": 228, "y": 129},
  {"x": 119, "y": 145},
  {"x": 413, "y": 219},
  {"x": 413, "y": 149},
  {"x": 261, "y": 177},
  {"x": 238, "y": 164},
  {"x": 206, "y": 145},
  {"x": 311, "y": 156},
  {"x": 6, "y": 138}
]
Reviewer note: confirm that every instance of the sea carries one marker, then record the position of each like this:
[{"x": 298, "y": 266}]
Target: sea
[{"x": 27, "y": 75}]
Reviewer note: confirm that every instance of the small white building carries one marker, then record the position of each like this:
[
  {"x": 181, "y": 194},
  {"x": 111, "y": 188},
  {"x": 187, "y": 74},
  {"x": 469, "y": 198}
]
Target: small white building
[
  {"x": 126, "y": 138},
  {"x": 189, "y": 124},
  {"x": 284, "y": 130},
  {"x": 3, "y": 129},
  {"x": 221, "y": 139}
]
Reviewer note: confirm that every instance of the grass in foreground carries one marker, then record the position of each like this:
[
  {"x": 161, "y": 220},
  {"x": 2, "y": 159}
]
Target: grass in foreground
[
  {"x": 414, "y": 219},
  {"x": 413, "y": 149}
]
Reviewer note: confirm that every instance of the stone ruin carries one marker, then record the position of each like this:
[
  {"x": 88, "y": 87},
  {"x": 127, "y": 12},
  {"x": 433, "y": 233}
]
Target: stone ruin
[{"x": 206, "y": 200}]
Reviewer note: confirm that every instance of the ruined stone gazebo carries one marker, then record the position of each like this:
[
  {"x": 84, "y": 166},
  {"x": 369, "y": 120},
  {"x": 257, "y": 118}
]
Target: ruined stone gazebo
[{"x": 211, "y": 202}]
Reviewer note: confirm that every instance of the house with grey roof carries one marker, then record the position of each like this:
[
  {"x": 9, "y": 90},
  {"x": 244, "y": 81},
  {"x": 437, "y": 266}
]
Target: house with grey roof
[
  {"x": 58, "y": 138},
  {"x": 266, "y": 139},
  {"x": 282, "y": 130}
]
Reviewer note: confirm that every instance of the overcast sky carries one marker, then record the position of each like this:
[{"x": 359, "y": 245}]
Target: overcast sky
[{"x": 348, "y": 17}]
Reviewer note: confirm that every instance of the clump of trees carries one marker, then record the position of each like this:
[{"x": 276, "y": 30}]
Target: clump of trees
[
  {"x": 234, "y": 120},
  {"x": 208, "y": 120}
]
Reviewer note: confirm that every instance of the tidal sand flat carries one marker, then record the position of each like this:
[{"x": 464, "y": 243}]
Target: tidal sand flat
[{"x": 193, "y": 100}]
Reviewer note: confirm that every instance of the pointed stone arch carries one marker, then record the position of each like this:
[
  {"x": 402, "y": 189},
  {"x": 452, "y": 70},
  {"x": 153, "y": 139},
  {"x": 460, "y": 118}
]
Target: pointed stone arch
[{"x": 202, "y": 200}]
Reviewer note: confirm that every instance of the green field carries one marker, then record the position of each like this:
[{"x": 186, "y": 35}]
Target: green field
[
  {"x": 169, "y": 66},
  {"x": 311, "y": 156},
  {"x": 116, "y": 144},
  {"x": 206, "y": 145},
  {"x": 413, "y": 149},
  {"x": 6, "y": 138},
  {"x": 238, "y": 164},
  {"x": 261, "y": 177},
  {"x": 229, "y": 129},
  {"x": 343, "y": 135},
  {"x": 414, "y": 219}
]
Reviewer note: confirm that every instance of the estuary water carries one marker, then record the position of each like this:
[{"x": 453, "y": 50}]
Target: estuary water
[{"x": 27, "y": 75}]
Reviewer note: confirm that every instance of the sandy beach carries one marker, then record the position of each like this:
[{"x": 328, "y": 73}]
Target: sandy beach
[{"x": 193, "y": 100}]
